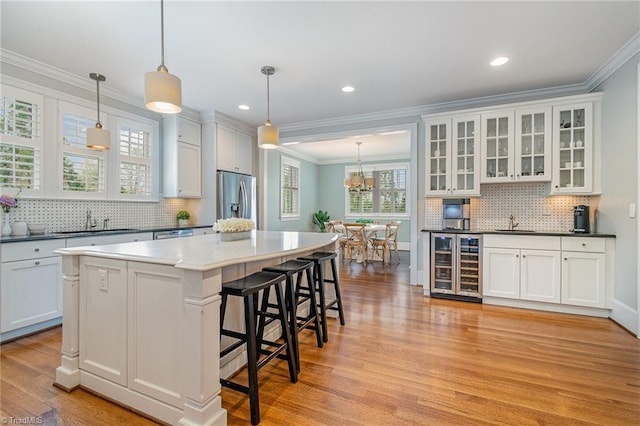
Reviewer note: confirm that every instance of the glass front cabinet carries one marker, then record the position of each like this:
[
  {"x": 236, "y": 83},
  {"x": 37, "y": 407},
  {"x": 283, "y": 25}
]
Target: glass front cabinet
[
  {"x": 533, "y": 145},
  {"x": 453, "y": 156},
  {"x": 572, "y": 139}
]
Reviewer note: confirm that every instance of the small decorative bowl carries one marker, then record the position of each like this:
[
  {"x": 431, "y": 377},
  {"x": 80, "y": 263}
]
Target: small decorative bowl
[{"x": 37, "y": 228}]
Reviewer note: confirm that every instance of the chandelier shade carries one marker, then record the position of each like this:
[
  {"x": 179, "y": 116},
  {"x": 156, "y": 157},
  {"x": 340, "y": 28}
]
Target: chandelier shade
[
  {"x": 268, "y": 134},
  {"x": 358, "y": 181},
  {"x": 162, "y": 90},
  {"x": 97, "y": 137}
]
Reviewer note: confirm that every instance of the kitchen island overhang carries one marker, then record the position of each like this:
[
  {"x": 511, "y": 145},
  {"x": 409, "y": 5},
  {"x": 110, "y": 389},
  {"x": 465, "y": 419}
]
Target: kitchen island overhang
[{"x": 141, "y": 321}]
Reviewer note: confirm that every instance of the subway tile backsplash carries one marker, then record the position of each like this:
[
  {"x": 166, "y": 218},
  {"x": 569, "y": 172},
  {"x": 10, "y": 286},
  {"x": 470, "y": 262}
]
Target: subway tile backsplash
[
  {"x": 529, "y": 203},
  {"x": 70, "y": 215}
]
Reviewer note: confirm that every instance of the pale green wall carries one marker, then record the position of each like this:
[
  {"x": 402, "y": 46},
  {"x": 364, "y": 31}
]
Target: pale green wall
[{"x": 619, "y": 175}]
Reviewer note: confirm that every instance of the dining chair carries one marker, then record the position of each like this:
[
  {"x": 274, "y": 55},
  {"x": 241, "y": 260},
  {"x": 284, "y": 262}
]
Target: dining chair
[
  {"x": 388, "y": 243},
  {"x": 356, "y": 240}
]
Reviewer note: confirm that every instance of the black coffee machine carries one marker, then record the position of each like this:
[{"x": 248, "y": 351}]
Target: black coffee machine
[{"x": 581, "y": 219}]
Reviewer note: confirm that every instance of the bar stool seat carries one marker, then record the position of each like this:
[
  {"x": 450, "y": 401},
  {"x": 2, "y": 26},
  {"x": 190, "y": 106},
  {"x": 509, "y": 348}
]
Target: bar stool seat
[
  {"x": 249, "y": 288},
  {"x": 318, "y": 259},
  {"x": 295, "y": 297}
]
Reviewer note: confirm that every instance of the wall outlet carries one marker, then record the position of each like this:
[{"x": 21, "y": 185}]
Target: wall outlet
[
  {"x": 632, "y": 210},
  {"x": 104, "y": 280},
  {"x": 545, "y": 210}
]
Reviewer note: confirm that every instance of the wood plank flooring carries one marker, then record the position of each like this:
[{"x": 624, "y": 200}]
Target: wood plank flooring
[{"x": 401, "y": 359}]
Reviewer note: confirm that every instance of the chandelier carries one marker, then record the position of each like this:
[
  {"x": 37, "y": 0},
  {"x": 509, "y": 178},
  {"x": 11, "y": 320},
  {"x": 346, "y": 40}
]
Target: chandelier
[{"x": 357, "y": 181}]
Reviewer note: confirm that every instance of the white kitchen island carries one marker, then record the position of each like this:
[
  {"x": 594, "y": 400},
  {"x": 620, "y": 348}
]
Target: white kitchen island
[{"x": 141, "y": 321}]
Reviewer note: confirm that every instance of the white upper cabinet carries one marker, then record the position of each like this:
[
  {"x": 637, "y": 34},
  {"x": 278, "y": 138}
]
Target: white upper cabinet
[
  {"x": 452, "y": 156},
  {"x": 497, "y": 147},
  {"x": 182, "y": 158},
  {"x": 533, "y": 145},
  {"x": 573, "y": 149},
  {"x": 234, "y": 150}
]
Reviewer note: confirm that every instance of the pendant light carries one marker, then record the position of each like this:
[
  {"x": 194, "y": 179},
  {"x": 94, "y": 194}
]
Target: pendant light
[
  {"x": 162, "y": 90},
  {"x": 97, "y": 137},
  {"x": 357, "y": 181},
  {"x": 268, "y": 134}
]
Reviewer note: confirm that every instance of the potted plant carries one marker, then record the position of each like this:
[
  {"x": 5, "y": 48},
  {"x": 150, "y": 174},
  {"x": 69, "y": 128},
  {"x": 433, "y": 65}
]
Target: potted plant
[
  {"x": 320, "y": 218},
  {"x": 183, "y": 217}
]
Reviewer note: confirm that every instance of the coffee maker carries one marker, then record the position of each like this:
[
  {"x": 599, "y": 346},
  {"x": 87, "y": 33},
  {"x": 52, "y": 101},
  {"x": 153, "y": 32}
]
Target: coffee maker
[{"x": 581, "y": 219}]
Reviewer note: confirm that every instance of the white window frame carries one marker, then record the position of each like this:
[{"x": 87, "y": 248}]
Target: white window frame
[
  {"x": 370, "y": 168},
  {"x": 36, "y": 143},
  {"x": 152, "y": 162},
  {"x": 289, "y": 162},
  {"x": 71, "y": 108}
]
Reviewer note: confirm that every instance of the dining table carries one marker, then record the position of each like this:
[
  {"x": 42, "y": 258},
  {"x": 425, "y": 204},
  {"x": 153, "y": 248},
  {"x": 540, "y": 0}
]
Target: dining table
[{"x": 370, "y": 231}]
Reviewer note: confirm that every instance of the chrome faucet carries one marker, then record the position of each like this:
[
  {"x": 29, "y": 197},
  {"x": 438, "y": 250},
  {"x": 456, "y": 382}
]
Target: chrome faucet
[
  {"x": 512, "y": 224},
  {"x": 105, "y": 224},
  {"x": 90, "y": 223}
]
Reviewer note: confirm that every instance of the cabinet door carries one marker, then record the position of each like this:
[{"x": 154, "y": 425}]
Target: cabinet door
[
  {"x": 540, "y": 275},
  {"x": 438, "y": 141},
  {"x": 583, "y": 279},
  {"x": 202, "y": 231},
  {"x": 189, "y": 180},
  {"x": 572, "y": 141},
  {"x": 188, "y": 131},
  {"x": 497, "y": 147},
  {"x": 501, "y": 272},
  {"x": 31, "y": 292},
  {"x": 465, "y": 174},
  {"x": 225, "y": 148},
  {"x": 533, "y": 145},
  {"x": 243, "y": 152}
]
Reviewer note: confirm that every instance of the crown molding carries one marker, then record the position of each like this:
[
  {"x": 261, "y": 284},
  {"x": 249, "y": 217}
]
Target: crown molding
[
  {"x": 222, "y": 118},
  {"x": 283, "y": 150},
  {"x": 618, "y": 59}
]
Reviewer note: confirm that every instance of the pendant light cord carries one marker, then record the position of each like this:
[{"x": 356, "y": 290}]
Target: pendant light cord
[
  {"x": 162, "y": 33},
  {"x": 268, "y": 101},
  {"x": 98, "y": 98}
]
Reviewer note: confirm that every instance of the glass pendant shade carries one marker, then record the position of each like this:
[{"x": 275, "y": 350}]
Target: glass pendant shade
[
  {"x": 98, "y": 138},
  {"x": 370, "y": 182},
  {"x": 268, "y": 136},
  {"x": 347, "y": 183},
  {"x": 162, "y": 92},
  {"x": 358, "y": 181}
]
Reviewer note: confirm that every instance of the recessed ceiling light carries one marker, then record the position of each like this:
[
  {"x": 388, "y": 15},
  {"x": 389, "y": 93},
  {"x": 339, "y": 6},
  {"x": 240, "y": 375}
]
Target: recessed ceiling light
[
  {"x": 243, "y": 107},
  {"x": 500, "y": 60},
  {"x": 348, "y": 89}
]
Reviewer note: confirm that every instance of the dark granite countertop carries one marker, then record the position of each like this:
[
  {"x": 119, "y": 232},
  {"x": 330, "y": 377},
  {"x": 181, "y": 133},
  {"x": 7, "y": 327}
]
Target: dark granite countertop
[
  {"x": 63, "y": 235},
  {"x": 519, "y": 232}
]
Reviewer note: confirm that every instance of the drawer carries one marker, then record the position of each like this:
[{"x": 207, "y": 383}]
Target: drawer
[
  {"x": 521, "y": 242},
  {"x": 30, "y": 250},
  {"x": 100, "y": 240},
  {"x": 584, "y": 244}
]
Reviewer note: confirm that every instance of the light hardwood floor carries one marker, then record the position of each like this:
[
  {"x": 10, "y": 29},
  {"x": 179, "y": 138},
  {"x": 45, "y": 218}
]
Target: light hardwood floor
[{"x": 401, "y": 359}]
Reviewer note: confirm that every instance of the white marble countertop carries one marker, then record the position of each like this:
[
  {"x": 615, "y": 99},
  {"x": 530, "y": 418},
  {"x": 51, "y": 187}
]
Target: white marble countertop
[{"x": 207, "y": 251}]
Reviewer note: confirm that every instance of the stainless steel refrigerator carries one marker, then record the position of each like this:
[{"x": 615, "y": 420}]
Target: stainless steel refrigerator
[{"x": 236, "y": 196}]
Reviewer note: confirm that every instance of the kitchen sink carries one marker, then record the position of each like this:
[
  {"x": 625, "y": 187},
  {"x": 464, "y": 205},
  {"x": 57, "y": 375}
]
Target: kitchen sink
[
  {"x": 514, "y": 230},
  {"x": 96, "y": 231}
]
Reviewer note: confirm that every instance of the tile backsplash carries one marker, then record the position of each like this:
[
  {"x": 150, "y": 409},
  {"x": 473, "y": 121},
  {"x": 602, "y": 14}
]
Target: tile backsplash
[
  {"x": 70, "y": 215},
  {"x": 529, "y": 203}
]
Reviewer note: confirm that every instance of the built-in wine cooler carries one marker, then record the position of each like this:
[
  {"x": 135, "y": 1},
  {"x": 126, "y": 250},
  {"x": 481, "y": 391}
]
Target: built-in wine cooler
[{"x": 456, "y": 266}]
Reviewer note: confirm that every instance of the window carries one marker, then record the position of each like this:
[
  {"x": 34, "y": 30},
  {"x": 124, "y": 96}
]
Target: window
[
  {"x": 135, "y": 149},
  {"x": 289, "y": 188},
  {"x": 388, "y": 198},
  {"x": 21, "y": 144},
  {"x": 83, "y": 169}
]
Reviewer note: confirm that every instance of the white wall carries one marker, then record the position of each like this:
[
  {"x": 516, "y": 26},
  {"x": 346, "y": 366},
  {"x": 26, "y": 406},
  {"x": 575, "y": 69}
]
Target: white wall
[{"x": 619, "y": 184}]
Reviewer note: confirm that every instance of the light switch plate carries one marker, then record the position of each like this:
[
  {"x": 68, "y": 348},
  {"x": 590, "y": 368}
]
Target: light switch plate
[{"x": 632, "y": 210}]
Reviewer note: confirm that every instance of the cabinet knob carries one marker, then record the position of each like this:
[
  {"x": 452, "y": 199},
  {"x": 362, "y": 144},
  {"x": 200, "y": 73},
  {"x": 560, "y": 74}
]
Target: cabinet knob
[
  {"x": 565, "y": 258},
  {"x": 37, "y": 262},
  {"x": 93, "y": 244},
  {"x": 36, "y": 250},
  {"x": 511, "y": 176},
  {"x": 584, "y": 244},
  {"x": 524, "y": 255},
  {"x": 180, "y": 136},
  {"x": 179, "y": 190},
  {"x": 517, "y": 255},
  {"x": 135, "y": 240},
  {"x": 557, "y": 186}
]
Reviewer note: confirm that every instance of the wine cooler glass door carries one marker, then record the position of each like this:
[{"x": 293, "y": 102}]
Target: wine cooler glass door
[
  {"x": 469, "y": 265},
  {"x": 442, "y": 263}
]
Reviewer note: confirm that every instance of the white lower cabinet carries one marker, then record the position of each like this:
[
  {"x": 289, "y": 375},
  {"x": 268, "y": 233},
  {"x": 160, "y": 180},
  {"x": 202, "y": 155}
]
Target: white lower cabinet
[
  {"x": 100, "y": 240},
  {"x": 31, "y": 285},
  {"x": 558, "y": 270}
]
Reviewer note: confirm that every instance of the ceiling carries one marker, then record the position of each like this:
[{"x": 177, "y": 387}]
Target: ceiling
[{"x": 396, "y": 54}]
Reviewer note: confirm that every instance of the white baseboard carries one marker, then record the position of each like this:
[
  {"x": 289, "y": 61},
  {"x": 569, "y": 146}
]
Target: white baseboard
[
  {"x": 626, "y": 316},
  {"x": 549, "y": 307},
  {"x": 404, "y": 246}
]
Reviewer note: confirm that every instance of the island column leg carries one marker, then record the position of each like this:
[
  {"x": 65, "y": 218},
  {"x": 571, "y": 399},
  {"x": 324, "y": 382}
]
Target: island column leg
[
  {"x": 201, "y": 361},
  {"x": 68, "y": 374}
]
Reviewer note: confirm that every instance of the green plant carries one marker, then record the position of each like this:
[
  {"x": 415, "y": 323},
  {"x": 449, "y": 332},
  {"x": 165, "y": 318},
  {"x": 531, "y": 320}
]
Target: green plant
[
  {"x": 364, "y": 220},
  {"x": 319, "y": 218},
  {"x": 183, "y": 214}
]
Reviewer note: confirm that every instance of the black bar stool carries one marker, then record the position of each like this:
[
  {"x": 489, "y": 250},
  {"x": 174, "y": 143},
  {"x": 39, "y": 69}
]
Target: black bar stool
[
  {"x": 295, "y": 297},
  {"x": 248, "y": 288},
  {"x": 318, "y": 259}
]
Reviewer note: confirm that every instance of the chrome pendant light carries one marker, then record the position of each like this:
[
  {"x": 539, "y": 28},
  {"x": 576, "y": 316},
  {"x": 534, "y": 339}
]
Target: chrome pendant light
[
  {"x": 358, "y": 181},
  {"x": 268, "y": 135},
  {"x": 97, "y": 137},
  {"x": 162, "y": 90}
]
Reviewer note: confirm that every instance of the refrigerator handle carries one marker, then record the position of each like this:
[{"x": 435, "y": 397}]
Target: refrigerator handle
[{"x": 243, "y": 199}]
